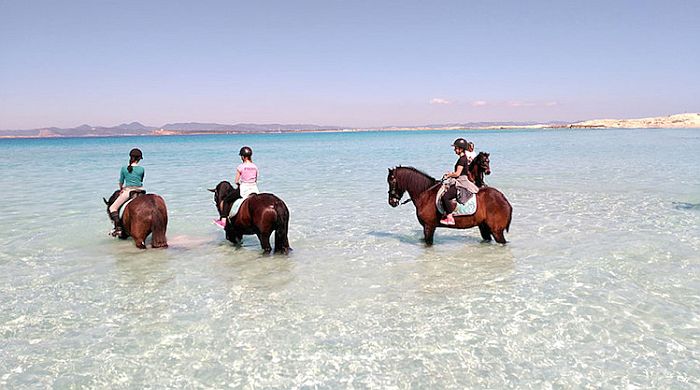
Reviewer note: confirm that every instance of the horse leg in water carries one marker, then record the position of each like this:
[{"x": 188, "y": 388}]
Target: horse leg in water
[
  {"x": 139, "y": 236},
  {"x": 282, "y": 228},
  {"x": 497, "y": 227},
  {"x": 233, "y": 236},
  {"x": 264, "y": 238},
  {"x": 485, "y": 231},
  {"x": 428, "y": 232},
  {"x": 281, "y": 240},
  {"x": 499, "y": 237}
]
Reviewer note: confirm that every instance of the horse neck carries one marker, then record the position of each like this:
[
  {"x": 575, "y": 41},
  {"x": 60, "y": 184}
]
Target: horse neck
[
  {"x": 413, "y": 182},
  {"x": 475, "y": 174}
]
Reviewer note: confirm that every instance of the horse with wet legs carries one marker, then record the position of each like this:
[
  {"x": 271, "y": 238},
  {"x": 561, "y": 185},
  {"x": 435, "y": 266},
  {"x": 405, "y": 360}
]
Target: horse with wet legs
[
  {"x": 143, "y": 215},
  {"x": 493, "y": 211},
  {"x": 259, "y": 214}
]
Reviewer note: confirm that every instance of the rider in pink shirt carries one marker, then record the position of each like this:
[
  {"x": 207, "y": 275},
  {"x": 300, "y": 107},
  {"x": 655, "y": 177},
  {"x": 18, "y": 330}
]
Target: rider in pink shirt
[{"x": 246, "y": 177}]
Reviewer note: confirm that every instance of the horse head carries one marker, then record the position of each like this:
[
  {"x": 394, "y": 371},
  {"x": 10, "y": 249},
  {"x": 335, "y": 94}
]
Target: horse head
[
  {"x": 483, "y": 162},
  {"x": 395, "y": 193},
  {"x": 224, "y": 196},
  {"x": 111, "y": 200}
]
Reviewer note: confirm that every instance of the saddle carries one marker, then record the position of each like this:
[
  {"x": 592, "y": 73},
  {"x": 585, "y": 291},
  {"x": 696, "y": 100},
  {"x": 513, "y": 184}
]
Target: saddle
[
  {"x": 136, "y": 193},
  {"x": 237, "y": 205},
  {"x": 465, "y": 203}
]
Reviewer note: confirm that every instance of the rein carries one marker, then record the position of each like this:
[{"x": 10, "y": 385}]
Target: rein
[{"x": 440, "y": 182}]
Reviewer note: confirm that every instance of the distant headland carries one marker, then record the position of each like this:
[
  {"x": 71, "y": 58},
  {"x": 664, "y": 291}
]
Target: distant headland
[{"x": 688, "y": 120}]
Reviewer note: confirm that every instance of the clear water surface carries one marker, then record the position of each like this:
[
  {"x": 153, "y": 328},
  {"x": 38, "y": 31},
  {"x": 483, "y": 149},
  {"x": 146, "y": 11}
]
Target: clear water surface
[{"x": 598, "y": 287}]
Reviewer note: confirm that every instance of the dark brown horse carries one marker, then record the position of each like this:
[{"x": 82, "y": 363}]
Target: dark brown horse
[
  {"x": 478, "y": 167},
  {"x": 142, "y": 216},
  {"x": 493, "y": 212},
  {"x": 259, "y": 214}
]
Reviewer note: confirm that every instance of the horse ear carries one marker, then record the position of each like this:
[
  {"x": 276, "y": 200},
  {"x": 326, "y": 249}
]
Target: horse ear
[
  {"x": 211, "y": 190},
  {"x": 105, "y": 200}
]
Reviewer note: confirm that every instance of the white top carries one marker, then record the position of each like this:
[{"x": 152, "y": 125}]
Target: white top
[{"x": 470, "y": 155}]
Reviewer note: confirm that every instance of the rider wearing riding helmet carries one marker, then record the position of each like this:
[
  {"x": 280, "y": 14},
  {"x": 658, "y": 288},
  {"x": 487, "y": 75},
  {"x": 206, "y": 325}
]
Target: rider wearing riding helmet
[
  {"x": 247, "y": 173},
  {"x": 460, "y": 173},
  {"x": 130, "y": 179},
  {"x": 246, "y": 177}
]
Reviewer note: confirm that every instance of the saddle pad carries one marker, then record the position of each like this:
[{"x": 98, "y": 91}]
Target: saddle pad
[
  {"x": 468, "y": 208},
  {"x": 121, "y": 209},
  {"x": 133, "y": 195},
  {"x": 236, "y": 206}
]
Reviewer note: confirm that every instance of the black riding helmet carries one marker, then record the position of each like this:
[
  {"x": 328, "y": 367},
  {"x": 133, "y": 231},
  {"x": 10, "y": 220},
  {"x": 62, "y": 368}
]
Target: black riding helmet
[
  {"x": 460, "y": 143},
  {"x": 136, "y": 154},
  {"x": 246, "y": 152}
]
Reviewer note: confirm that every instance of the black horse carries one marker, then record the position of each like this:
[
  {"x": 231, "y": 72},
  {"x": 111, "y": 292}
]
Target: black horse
[{"x": 259, "y": 214}]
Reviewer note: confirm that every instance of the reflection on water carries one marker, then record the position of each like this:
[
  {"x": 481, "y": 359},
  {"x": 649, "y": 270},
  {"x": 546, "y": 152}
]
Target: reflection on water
[
  {"x": 597, "y": 286},
  {"x": 686, "y": 206}
]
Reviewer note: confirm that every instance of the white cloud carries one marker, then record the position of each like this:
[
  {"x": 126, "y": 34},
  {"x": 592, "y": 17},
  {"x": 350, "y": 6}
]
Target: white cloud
[
  {"x": 520, "y": 104},
  {"x": 440, "y": 101},
  {"x": 550, "y": 104},
  {"x": 479, "y": 103}
]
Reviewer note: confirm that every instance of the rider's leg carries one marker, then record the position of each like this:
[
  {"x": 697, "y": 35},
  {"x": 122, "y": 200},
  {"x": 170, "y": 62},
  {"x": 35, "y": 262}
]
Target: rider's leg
[
  {"x": 450, "y": 194},
  {"x": 114, "y": 211}
]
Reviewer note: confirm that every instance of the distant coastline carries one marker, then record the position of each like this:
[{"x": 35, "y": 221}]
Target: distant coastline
[{"x": 687, "y": 120}]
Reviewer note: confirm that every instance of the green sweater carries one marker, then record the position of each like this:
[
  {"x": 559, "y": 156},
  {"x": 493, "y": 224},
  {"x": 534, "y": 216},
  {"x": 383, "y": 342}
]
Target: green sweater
[{"x": 133, "y": 178}]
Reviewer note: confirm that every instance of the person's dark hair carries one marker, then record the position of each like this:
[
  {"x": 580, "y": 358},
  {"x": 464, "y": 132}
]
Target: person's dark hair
[{"x": 135, "y": 155}]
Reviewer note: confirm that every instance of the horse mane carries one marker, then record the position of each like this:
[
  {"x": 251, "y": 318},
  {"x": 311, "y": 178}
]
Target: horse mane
[
  {"x": 479, "y": 157},
  {"x": 419, "y": 181},
  {"x": 227, "y": 192},
  {"x": 416, "y": 170},
  {"x": 112, "y": 198}
]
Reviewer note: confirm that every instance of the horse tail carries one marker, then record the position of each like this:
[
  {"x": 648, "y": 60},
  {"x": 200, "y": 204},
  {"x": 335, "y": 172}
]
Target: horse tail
[
  {"x": 510, "y": 218},
  {"x": 281, "y": 227},
  {"x": 159, "y": 223}
]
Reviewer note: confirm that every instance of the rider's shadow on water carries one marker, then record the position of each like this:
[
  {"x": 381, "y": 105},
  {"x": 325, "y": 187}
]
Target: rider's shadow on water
[{"x": 417, "y": 237}]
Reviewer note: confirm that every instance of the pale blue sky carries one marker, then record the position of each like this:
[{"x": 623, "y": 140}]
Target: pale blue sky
[{"x": 350, "y": 63}]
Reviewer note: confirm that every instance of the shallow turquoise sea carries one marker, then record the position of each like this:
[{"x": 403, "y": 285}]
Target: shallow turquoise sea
[{"x": 599, "y": 285}]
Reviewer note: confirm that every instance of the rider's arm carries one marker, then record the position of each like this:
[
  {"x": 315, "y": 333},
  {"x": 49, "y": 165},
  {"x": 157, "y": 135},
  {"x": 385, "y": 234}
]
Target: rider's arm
[
  {"x": 238, "y": 177},
  {"x": 456, "y": 173},
  {"x": 121, "y": 179}
]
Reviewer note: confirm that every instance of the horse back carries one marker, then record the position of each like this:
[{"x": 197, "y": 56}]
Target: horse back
[
  {"x": 143, "y": 207},
  {"x": 258, "y": 211}
]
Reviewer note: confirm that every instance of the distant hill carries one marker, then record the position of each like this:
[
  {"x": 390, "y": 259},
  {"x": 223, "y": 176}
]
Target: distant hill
[
  {"x": 136, "y": 128},
  {"x": 133, "y": 128},
  {"x": 243, "y": 127},
  {"x": 689, "y": 120},
  {"x": 477, "y": 125}
]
